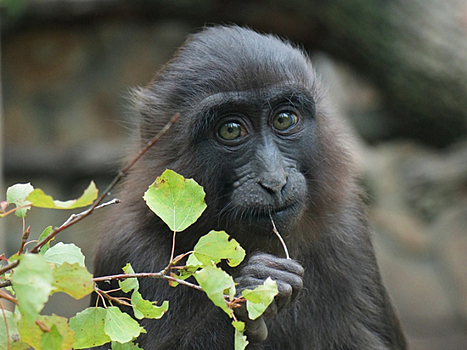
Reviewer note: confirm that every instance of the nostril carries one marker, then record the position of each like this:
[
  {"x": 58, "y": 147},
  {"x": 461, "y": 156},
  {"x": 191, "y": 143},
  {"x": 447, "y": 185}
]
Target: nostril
[{"x": 273, "y": 183}]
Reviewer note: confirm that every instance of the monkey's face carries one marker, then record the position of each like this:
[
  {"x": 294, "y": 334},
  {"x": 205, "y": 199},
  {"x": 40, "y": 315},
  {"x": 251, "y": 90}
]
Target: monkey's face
[
  {"x": 257, "y": 143},
  {"x": 247, "y": 127}
]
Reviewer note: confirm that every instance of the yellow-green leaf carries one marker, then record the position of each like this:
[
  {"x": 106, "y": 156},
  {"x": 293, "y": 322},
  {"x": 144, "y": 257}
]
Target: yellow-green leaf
[
  {"x": 216, "y": 246},
  {"x": 258, "y": 299},
  {"x": 61, "y": 253},
  {"x": 52, "y": 340},
  {"x": 125, "y": 346},
  {"x": 120, "y": 326},
  {"x": 240, "y": 341},
  {"x": 32, "y": 282},
  {"x": 215, "y": 282},
  {"x": 31, "y": 332},
  {"x": 39, "y": 199},
  {"x": 129, "y": 284},
  {"x": 147, "y": 309},
  {"x": 12, "y": 334},
  {"x": 17, "y": 195},
  {"x": 179, "y": 202},
  {"x": 72, "y": 279},
  {"x": 43, "y": 235},
  {"x": 88, "y": 326}
]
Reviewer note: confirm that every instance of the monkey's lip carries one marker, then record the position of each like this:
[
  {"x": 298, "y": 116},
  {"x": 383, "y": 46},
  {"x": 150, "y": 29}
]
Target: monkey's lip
[{"x": 288, "y": 209}]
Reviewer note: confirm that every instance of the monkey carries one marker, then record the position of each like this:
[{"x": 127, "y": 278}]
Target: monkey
[{"x": 255, "y": 131}]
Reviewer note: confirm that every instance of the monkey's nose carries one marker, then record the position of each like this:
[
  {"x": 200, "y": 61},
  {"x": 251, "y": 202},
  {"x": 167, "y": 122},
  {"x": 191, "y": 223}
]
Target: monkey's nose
[{"x": 273, "y": 182}]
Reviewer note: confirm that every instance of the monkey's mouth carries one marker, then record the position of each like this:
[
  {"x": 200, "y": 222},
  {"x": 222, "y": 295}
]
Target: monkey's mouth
[{"x": 283, "y": 213}]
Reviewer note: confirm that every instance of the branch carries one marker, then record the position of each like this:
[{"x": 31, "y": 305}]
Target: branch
[
  {"x": 6, "y": 283},
  {"x": 15, "y": 209},
  {"x": 8, "y": 267},
  {"x": 73, "y": 219},
  {"x": 7, "y": 331},
  {"x": 111, "y": 298},
  {"x": 117, "y": 178},
  {"x": 160, "y": 275},
  {"x": 85, "y": 213},
  {"x": 6, "y": 296}
]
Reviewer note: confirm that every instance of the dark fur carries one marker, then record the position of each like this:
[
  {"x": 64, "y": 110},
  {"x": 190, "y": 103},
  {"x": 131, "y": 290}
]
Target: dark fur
[{"x": 343, "y": 304}]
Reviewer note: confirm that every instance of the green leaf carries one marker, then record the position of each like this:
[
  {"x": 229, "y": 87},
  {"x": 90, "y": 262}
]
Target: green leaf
[
  {"x": 147, "y": 309},
  {"x": 240, "y": 340},
  {"x": 72, "y": 279},
  {"x": 39, "y": 199},
  {"x": 88, "y": 326},
  {"x": 179, "y": 202},
  {"x": 125, "y": 346},
  {"x": 17, "y": 195},
  {"x": 216, "y": 246},
  {"x": 184, "y": 273},
  {"x": 192, "y": 261},
  {"x": 260, "y": 298},
  {"x": 32, "y": 333},
  {"x": 129, "y": 284},
  {"x": 13, "y": 333},
  {"x": 120, "y": 326},
  {"x": 61, "y": 253},
  {"x": 52, "y": 340},
  {"x": 214, "y": 282},
  {"x": 43, "y": 235},
  {"x": 32, "y": 282}
]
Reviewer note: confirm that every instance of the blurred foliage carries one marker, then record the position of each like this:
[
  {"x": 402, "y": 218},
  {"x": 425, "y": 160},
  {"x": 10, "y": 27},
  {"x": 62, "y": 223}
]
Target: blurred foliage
[{"x": 13, "y": 8}]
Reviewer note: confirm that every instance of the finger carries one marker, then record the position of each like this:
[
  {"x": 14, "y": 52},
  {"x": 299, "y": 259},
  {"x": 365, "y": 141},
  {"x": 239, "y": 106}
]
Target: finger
[{"x": 275, "y": 262}]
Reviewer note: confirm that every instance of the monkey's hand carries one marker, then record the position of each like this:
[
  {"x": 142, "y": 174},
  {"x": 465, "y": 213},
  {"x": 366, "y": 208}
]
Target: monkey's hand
[{"x": 288, "y": 275}]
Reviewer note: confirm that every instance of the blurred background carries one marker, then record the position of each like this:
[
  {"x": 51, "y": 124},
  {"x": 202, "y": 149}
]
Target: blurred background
[{"x": 395, "y": 70}]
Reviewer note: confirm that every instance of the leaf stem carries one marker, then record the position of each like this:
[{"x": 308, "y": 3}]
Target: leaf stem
[
  {"x": 274, "y": 229},
  {"x": 15, "y": 209},
  {"x": 7, "y": 330},
  {"x": 6, "y": 296},
  {"x": 106, "y": 294}
]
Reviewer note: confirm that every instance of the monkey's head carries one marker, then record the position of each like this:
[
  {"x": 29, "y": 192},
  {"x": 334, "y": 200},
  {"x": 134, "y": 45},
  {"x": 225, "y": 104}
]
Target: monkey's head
[{"x": 252, "y": 130}]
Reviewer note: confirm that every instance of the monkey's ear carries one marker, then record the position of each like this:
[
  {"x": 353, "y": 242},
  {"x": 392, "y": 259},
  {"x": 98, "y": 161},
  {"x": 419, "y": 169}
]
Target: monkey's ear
[{"x": 148, "y": 112}]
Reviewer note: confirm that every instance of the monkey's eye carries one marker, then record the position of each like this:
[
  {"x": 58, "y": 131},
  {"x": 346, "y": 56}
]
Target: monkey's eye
[
  {"x": 284, "y": 121},
  {"x": 230, "y": 131}
]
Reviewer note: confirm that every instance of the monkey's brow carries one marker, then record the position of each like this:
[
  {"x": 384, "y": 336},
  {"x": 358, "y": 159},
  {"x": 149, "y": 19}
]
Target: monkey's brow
[{"x": 258, "y": 98}]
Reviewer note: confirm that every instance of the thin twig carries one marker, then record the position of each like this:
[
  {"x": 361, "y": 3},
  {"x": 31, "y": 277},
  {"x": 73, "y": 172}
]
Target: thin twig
[
  {"x": 7, "y": 330},
  {"x": 9, "y": 267},
  {"x": 6, "y": 283},
  {"x": 153, "y": 141},
  {"x": 6, "y": 296},
  {"x": 76, "y": 216},
  {"x": 274, "y": 229},
  {"x": 15, "y": 209},
  {"x": 120, "y": 301},
  {"x": 160, "y": 275},
  {"x": 177, "y": 259},
  {"x": 183, "y": 282},
  {"x": 128, "y": 275}
]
